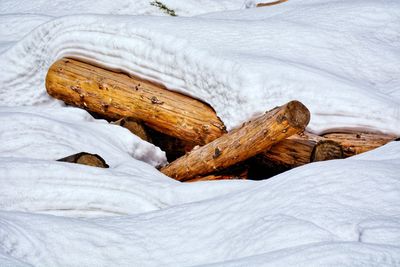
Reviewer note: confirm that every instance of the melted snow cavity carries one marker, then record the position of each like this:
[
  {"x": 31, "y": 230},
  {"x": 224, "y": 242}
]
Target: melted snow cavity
[{"x": 341, "y": 58}]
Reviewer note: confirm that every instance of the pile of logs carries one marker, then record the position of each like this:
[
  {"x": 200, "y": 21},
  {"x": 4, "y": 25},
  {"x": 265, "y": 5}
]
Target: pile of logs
[{"x": 193, "y": 136}]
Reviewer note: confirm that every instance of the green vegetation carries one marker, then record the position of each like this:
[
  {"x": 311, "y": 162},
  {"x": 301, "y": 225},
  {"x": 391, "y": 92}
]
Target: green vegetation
[{"x": 163, "y": 7}]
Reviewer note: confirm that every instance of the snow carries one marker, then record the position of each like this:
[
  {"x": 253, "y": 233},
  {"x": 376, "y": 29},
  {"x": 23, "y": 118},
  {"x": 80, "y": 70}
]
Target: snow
[{"x": 340, "y": 58}]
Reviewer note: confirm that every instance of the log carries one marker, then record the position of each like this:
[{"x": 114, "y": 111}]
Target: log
[
  {"x": 172, "y": 146},
  {"x": 271, "y": 3},
  {"x": 117, "y": 95},
  {"x": 85, "y": 158},
  {"x": 356, "y": 143},
  {"x": 301, "y": 149},
  {"x": 298, "y": 150},
  {"x": 134, "y": 126},
  {"x": 214, "y": 177},
  {"x": 252, "y": 138},
  {"x": 238, "y": 171}
]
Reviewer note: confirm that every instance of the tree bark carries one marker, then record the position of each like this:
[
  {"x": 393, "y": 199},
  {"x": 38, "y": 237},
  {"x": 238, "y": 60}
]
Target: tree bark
[
  {"x": 298, "y": 150},
  {"x": 252, "y": 138},
  {"x": 117, "y": 95},
  {"x": 356, "y": 143}
]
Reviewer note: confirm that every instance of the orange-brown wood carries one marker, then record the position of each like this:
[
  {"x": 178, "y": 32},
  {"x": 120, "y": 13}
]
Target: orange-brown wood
[
  {"x": 271, "y": 3},
  {"x": 252, "y": 138},
  {"x": 356, "y": 143},
  {"x": 300, "y": 149},
  {"x": 117, "y": 95}
]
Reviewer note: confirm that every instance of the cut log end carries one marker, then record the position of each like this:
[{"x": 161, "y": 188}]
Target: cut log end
[
  {"x": 326, "y": 150},
  {"x": 85, "y": 158},
  {"x": 297, "y": 115}
]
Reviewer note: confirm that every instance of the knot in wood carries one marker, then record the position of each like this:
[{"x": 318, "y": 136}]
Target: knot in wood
[
  {"x": 156, "y": 101},
  {"x": 217, "y": 153}
]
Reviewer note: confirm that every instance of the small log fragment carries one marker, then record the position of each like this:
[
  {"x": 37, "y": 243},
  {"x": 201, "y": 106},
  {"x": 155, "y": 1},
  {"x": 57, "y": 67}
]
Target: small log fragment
[
  {"x": 356, "y": 143},
  {"x": 117, "y": 95},
  {"x": 134, "y": 126},
  {"x": 252, "y": 138},
  {"x": 172, "y": 146},
  {"x": 86, "y": 159}
]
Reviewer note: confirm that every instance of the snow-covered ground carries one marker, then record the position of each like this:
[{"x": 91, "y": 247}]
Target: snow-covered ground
[{"x": 340, "y": 58}]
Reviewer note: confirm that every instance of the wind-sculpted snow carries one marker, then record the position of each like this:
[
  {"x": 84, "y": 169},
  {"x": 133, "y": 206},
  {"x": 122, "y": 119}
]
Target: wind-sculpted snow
[
  {"x": 342, "y": 66},
  {"x": 341, "y": 58},
  {"x": 342, "y": 212}
]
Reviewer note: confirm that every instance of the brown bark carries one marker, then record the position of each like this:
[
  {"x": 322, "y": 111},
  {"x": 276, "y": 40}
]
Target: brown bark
[
  {"x": 213, "y": 177},
  {"x": 301, "y": 149},
  {"x": 117, "y": 95},
  {"x": 134, "y": 126},
  {"x": 252, "y": 138},
  {"x": 172, "y": 146},
  {"x": 271, "y": 3},
  {"x": 298, "y": 150},
  {"x": 356, "y": 143},
  {"x": 86, "y": 159}
]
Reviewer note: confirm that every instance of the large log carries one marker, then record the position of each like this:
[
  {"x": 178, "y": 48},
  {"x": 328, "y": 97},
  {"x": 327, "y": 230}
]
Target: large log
[
  {"x": 298, "y": 150},
  {"x": 252, "y": 138},
  {"x": 305, "y": 148},
  {"x": 117, "y": 95},
  {"x": 356, "y": 143}
]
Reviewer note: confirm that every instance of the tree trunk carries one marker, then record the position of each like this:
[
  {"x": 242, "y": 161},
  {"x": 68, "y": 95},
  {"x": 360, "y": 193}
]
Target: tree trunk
[
  {"x": 356, "y": 143},
  {"x": 116, "y": 95},
  {"x": 252, "y": 138},
  {"x": 298, "y": 150}
]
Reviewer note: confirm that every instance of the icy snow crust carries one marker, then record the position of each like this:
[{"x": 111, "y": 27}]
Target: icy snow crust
[{"x": 341, "y": 58}]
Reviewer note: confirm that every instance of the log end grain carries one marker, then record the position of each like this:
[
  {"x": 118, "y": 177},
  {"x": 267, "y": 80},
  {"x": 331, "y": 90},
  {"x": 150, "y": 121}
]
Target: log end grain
[
  {"x": 326, "y": 150},
  {"x": 297, "y": 114},
  {"x": 85, "y": 158}
]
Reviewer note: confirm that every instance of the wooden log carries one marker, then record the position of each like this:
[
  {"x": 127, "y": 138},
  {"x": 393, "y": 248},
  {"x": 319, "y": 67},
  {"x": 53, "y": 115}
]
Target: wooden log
[
  {"x": 172, "y": 146},
  {"x": 238, "y": 171},
  {"x": 117, "y": 95},
  {"x": 271, "y": 3},
  {"x": 85, "y": 158},
  {"x": 298, "y": 150},
  {"x": 301, "y": 149},
  {"x": 214, "y": 177},
  {"x": 356, "y": 143},
  {"x": 252, "y": 138},
  {"x": 134, "y": 126}
]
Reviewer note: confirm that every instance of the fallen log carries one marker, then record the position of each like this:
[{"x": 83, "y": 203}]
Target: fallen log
[
  {"x": 270, "y": 3},
  {"x": 117, "y": 95},
  {"x": 356, "y": 143},
  {"x": 298, "y": 150},
  {"x": 214, "y": 177},
  {"x": 236, "y": 146},
  {"x": 305, "y": 148},
  {"x": 85, "y": 158}
]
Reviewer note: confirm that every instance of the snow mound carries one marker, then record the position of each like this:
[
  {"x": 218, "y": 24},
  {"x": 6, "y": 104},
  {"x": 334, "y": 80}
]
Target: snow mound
[
  {"x": 341, "y": 58},
  {"x": 342, "y": 66},
  {"x": 342, "y": 212}
]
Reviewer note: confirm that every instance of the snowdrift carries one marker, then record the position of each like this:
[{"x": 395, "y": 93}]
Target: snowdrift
[{"x": 340, "y": 58}]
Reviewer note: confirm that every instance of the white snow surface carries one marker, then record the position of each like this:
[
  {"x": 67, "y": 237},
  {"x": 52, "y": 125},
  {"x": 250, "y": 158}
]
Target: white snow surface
[{"x": 340, "y": 58}]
